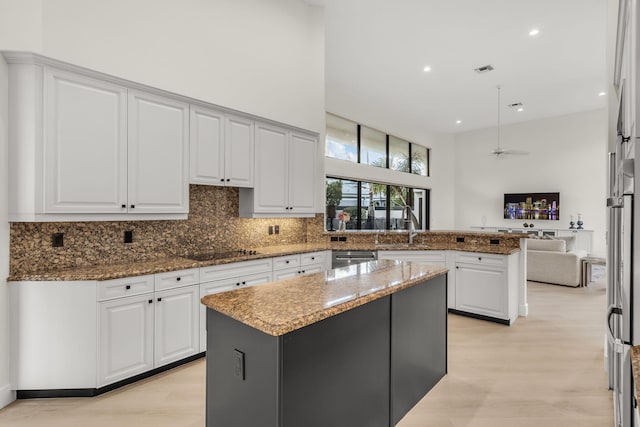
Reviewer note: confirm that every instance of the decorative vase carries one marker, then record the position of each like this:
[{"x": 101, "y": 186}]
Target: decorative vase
[
  {"x": 580, "y": 223},
  {"x": 571, "y": 223},
  {"x": 341, "y": 226}
]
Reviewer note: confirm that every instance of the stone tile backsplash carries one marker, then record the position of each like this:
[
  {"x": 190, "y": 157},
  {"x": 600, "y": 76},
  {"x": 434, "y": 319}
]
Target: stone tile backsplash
[{"x": 212, "y": 225}]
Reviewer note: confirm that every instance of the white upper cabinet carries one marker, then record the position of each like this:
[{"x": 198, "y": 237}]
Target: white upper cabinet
[
  {"x": 221, "y": 149},
  {"x": 285, "y": 174},
  {"x": 271, "y": 189},
  {"x": 86, "y": 144},
  {"x": 302, "y": 172},
  {"x": 158, "y": 154},
  {"x": 207, "y": 147},
  {"x": 239, "y": 151}
]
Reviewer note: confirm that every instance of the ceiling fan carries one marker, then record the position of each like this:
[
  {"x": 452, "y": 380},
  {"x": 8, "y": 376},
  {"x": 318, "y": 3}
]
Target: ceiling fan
[{"x": 499, "y": 151}]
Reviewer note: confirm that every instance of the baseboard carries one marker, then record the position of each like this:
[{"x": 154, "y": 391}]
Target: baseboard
[
  {"x": 6, "y": 395},
  {"x": 480, "y": 316},
  {"x": 523, "y": 310}
]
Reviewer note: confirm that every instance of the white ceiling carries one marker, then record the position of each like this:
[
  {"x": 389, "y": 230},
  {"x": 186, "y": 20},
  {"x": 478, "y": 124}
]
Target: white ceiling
[{"x": 376, "y": 51}]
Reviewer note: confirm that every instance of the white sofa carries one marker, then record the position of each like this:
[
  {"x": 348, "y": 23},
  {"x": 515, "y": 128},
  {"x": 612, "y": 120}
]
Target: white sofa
[{"x": 554, "y": 261}]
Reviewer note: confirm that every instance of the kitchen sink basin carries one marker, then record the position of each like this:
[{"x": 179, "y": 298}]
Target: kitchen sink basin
[{"x": 400, "y": 245}]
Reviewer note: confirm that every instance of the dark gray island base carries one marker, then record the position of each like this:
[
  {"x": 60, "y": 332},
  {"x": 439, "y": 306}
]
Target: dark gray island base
[{"x": 365, "y": 366}]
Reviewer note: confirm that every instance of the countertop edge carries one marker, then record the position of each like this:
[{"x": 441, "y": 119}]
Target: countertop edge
[{"x": 306, "y": 320}]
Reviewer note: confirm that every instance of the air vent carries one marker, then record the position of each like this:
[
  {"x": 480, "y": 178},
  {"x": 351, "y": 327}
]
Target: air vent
[
  {"x": 516, "y": 105},
  {"x": 483, "y": 69}
]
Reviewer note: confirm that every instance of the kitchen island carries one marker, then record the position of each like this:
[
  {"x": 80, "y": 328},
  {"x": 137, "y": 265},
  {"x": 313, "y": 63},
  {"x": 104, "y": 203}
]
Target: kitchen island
[{"x": 360, "y": 345}]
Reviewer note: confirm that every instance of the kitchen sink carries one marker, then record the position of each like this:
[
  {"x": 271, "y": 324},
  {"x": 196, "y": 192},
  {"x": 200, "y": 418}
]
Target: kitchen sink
[{"x": 400, "y": 245}]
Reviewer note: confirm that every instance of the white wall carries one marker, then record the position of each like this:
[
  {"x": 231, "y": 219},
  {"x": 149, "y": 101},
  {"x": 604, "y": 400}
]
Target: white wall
[
  {"x": 264, "y": 57},
  {"x": 441, "y": 181},
  {"x": 568, "y": 154},
  {"x": 5, "y": 394}
]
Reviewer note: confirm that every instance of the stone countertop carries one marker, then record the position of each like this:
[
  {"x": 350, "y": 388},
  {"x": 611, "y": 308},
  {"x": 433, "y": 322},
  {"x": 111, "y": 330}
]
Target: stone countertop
[
  {"x": 635, "y": 369},
  {"x": 287, "y": 305},
  {"x": 158, "y": 265}
]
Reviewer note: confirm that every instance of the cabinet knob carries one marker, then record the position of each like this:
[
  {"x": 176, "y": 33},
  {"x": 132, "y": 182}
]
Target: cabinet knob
[
  {"x": 124, "y": 206},
  {"x": 244, "y": 283},
  {"x": 221, "y": 179},
  {"x": 159, "y": 299},
  {"x": 178, "y": 279},
  {"x": 127, "y": 287},
  {"x": 303, "y": 271},
  {"x": 457, "y": 267},
  {"x": 133, "y": 206},
  {"x": 312, "y": 258},
  {"x": 479, "y": 258},
  {"x": 287, "y": 262},
  {"x": 150, "y": 301},
  {"x": 228, "y": 180},
  {"x": 238, "y": 284}
]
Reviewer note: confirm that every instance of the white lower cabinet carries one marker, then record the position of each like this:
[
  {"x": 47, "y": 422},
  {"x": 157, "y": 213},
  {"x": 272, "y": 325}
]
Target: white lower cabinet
[
  {"x": 443, "y": 258},
  {"x": 289, "y": 266},
  {"x": 125, "y": 338},
  {"x": 224, "y": 285},
  {"x": 176, "y": 324},
  {"x": 486, "y": 284}
]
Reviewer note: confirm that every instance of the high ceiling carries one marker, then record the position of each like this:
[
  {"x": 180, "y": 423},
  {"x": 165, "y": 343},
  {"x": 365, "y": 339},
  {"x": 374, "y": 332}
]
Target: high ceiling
[{"x": 376, "y": 51}]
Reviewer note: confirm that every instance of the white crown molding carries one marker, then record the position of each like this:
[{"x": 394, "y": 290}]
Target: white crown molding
[{"x": 30, "y": 58}]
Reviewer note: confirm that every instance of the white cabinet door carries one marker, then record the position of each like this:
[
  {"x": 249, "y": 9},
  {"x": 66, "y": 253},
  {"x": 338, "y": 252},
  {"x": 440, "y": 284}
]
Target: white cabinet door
[
  {"x": 271, "y": 180},
  {"x": 158, "y": 154},
  {"x": 482, "y": 289},
  {"x": 176, "y": 324},
  {"x": 207, "y": 146},
  {"x": 302, "y": 173},
  {"x": 224, "y": 285},
  {"x": 85, "y": 144},
  {"x": 126, "y": 338},
  {"x": 239, "y": 149},
  {"x": 286, "y": 273}
]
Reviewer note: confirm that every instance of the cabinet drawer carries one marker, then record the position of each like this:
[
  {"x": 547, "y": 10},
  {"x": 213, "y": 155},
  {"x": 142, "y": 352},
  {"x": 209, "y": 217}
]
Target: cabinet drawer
[
  {"x": 176, "y": 279},
  {"x": 481, "y": 258},
  {"x": 236, "y": 269},
  {"x": 289, "y": 261},
  {"x": 118, "y": 288},
  {"x": 313, "y": 258}
]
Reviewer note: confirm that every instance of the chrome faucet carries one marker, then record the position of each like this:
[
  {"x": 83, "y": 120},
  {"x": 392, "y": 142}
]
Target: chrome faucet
[{"x": 408, "y": 216}]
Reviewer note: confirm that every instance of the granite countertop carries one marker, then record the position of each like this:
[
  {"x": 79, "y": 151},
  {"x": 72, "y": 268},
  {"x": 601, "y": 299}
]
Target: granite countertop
[
  {"x": 287, "y": 305},
  {"x": 158, "y": 265},
  {"x": 635, "y": 369}
]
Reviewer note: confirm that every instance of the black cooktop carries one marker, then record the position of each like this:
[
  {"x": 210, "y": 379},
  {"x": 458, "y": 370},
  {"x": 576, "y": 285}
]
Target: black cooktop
[{"x": 209, "y": 256}]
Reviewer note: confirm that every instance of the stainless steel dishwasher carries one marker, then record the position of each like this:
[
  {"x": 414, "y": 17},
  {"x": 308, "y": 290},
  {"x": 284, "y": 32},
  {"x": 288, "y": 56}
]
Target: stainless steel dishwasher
[{"x": 346, "y": 258}]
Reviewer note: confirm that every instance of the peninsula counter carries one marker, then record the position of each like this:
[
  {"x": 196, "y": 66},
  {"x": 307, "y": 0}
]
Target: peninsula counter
[{"x": 359, "y": 345}]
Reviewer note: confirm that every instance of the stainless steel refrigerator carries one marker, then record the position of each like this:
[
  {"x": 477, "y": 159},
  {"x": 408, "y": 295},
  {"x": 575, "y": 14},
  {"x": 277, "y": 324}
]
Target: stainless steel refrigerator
[{"x": 623, "y": 325}]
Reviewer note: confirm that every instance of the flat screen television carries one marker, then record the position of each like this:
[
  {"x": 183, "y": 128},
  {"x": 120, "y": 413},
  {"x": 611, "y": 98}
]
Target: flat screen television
[{"x": 539, "y": 206}]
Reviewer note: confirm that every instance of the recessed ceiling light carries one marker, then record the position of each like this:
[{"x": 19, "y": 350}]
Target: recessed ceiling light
[
  {"x": 534, "y": 32},
  {"x": 458, "y": 122},
  {"x": 427, "y": 69},
  {"x": 602, "y": 93},
  {"x": 520, "y": 109}
]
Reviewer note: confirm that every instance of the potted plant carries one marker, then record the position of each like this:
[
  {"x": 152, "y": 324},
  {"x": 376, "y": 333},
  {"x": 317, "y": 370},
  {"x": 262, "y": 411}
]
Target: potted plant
[{"x": 334, "y": 196}]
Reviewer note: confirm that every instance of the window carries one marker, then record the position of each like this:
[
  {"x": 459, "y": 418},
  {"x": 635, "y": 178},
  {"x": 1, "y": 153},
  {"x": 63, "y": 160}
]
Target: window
[
  {"x": 347, "y": 140},
  {"x": 374, "y": 206},
  {"x": 342, "y": 139},
  {"x": 373, "y": 147}
]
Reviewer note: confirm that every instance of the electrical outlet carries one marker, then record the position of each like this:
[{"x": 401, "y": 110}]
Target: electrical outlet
[
  {"x": 238, "y": 364},
  {"x": 57, "y": 240},
  {"x": 277, "y": 229},
  {"x": 128, "y": 236},
  {"x": 271, "y": 229}
]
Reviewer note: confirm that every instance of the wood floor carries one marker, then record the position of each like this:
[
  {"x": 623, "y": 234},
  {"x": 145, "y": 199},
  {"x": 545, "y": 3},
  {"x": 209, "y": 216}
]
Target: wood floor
[{"x": 546, "y": 370}]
